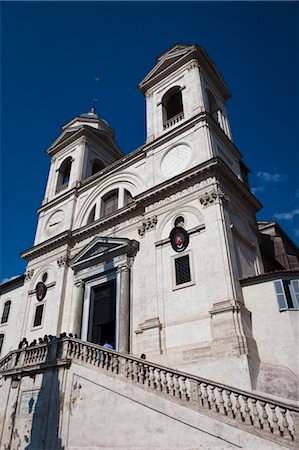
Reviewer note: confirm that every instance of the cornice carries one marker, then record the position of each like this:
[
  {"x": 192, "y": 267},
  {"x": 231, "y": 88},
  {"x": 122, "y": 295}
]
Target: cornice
[
  {"x": 213, "y": 167},
  {"x": 196, "y": 53},
  {"x": 46, "y": 246},
  {"x": 85, "y": 131}
]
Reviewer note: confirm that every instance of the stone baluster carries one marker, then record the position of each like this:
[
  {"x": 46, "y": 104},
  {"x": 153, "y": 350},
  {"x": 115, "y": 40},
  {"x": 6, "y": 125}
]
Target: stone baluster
[
  {"x": 238, "y": 414},
  {"x": 151, "y": 377},
  {"x": 136, "y": 371},
  {"x": 284, "y": 429},
  {"x": 184, "y": 394},
  {"x": 205, "y": 396},
  {"x": 106, "y": 364},
  {"x": 214, "y": 406},
  {"x": 115, "y": 364},
  {"x": 164, "y": 381},
  {"x": 274, "y": 418},
  {"x": 194, "y": 393},
  {"x": 141, "y": 373},
  {"x": 171, "y": 389},
  {"x": 221, "y": 407},
  {"x": 265, "y": 421},
  {"x": 158, "y": 383},
  {"x": 246, "y": 410},
  {"x": 255, "y": 414},
  {"x": 176, "y": 386},
  {"x": 146, "y": 375}
]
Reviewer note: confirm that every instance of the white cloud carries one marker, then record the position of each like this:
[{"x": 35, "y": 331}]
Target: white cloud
[
  {"x": 254, "y": 190},
  {"x": 5, "y": 280},
  {"x": 267, "y": 177},
  {"x": 287, "y": 215},
  {"x": 296, "y": 231}
]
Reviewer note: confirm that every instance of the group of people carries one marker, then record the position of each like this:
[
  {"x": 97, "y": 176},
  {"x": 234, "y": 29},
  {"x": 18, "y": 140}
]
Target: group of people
[{"x": 45, "y": 340}]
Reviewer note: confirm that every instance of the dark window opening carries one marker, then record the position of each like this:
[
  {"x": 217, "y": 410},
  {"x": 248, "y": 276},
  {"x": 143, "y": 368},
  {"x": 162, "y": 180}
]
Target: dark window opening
[
  {"x": 182, "y": 270},
  {"x": 172, "y": 104},
  {"x": 91, "y": 216},
  {"x": 213, "y": 106},
  {"x": 6, "y": 310},
  {"x": 102, "y": 314},
  {"x": 128, "y": 198},
  {"x": 97, "y": 165},
  {"x": 38, "y": 315},
  {"x": 287, "y": 293},
  {"x": 110, "y": 203},
  {"x": 64, "y": 174}
]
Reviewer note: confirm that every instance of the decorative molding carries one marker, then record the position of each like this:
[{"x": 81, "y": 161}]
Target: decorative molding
[
  {"x": 79, "y": 283},
  {"x": 29, "y": 274},
  {"x": 124, "y": 267},
  {"x": 148, "y": 224},
  {"x": 148, "y": 325},
  {"x": 194, "y": 230},
  {"x": 193, "y": 65},
  {"x": 180, "y": 194},
  {"x": 210, "y": 197},
  {"x": 62, "y": 260}
]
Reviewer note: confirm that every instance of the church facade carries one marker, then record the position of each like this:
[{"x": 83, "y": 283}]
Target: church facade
[{"x": 159, "y": 251}]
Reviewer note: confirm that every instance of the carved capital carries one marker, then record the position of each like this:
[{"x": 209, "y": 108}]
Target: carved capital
[
  {"x": 62, "y": 260},
  {"x": 79, "y": 283},
  {"x": 147, "y": 224},
  {"x": 124, "y": 267},
  {"x": 210, "y": 197},
  {"x": 29, "y": 274}
]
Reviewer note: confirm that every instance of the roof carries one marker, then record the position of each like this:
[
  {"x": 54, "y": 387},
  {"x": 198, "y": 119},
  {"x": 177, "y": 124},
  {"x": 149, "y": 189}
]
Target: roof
[{"x": 178, "y": 55}]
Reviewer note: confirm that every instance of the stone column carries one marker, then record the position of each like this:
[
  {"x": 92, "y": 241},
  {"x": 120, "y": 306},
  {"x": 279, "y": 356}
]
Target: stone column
[
  {"x": 124, "y": 308},
  {"x": 78, "y": 308}
]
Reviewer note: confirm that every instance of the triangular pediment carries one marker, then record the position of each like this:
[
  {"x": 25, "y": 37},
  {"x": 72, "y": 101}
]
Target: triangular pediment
[
  {"x": 101, "y": 248},
  {"x": 166, "y": 60}
]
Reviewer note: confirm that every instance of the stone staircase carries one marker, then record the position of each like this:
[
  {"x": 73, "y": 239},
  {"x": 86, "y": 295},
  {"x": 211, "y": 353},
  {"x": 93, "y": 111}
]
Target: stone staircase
[{"x": 272, "y": 420}]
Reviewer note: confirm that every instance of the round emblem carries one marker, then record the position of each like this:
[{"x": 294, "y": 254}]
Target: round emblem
[
  {"x": 179, "y": 239},
  {"x": 41, "y": 290}
]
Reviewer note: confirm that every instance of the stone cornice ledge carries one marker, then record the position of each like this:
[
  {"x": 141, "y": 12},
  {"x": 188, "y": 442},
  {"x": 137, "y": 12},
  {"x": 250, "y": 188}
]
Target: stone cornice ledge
[{"x": 43, "y": 247}]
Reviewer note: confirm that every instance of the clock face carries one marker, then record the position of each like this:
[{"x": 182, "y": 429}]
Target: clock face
[
  {"x": 176, "y": 160},
  {"x": 55, "y": 222}
]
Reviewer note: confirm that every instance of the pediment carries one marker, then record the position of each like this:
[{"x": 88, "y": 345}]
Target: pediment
[
  {"x": 62, "y": 137},
  {"x": 101, "y": 248},
  {"x": 168, "y": 59}
]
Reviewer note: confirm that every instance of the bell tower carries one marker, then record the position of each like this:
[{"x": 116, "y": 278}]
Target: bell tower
[
  {"x": 84, "y": 148},
  {"x": 185, "y": 91}
]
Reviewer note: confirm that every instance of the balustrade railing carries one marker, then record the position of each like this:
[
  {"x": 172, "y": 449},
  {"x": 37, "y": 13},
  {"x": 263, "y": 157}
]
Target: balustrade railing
[
  {"x": 253, "y": 412},
  {"x": 169, "y": 123}
]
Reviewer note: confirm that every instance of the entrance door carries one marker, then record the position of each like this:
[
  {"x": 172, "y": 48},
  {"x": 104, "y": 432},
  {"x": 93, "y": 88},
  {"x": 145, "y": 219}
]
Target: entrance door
[{"x": 102, "y": 314}]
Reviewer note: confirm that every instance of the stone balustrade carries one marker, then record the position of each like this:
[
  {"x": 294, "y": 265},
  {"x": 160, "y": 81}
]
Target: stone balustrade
[
  {"x": 173, "y": 121},
  {"x": 254, "y": 413}
]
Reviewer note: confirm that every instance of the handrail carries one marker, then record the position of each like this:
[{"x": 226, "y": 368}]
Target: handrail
[{"x": 255, "y": 413}]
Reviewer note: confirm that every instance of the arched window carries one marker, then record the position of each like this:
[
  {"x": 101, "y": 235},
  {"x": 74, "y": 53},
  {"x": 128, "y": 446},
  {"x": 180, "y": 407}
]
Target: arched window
[
  {"x": 109, "y": 203},
  {"x": 97, "y": 165},
  {"x": 172, "y": 104},
  {"x": 213, "y": 106},
  {"x": 127, "y": 198},
  {"x": 64, "y": 174},
  {"x": 91, "y": 216},
  {"x": 6, "y": 310}
]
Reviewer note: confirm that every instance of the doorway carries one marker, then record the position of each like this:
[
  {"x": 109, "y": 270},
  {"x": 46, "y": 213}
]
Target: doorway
[{"x": 102, "y": 314}]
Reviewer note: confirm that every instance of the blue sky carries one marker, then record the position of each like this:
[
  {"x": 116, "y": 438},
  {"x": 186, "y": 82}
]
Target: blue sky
[{"x": 51, "y": 51}]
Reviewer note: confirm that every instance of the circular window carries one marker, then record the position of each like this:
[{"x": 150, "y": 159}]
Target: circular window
[{"x": 176, "y": 160}]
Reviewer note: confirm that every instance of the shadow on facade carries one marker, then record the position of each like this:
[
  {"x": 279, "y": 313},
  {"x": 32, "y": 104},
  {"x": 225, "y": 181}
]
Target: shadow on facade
[{"x": 46, "y": 412}]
